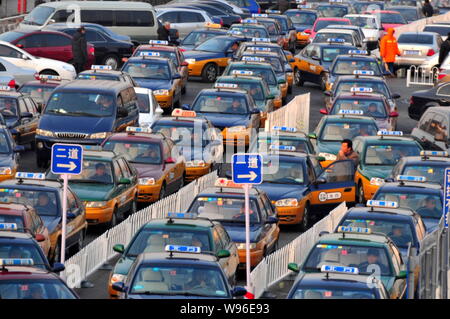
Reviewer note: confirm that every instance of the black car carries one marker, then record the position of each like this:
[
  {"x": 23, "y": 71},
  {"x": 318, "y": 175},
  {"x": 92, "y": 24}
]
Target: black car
[
  {"x": 433, "y": 129},
  {"x": 227, "y": 8},
  {"x": 421, "y": 100},
  {"x": 108, "y": 50}
]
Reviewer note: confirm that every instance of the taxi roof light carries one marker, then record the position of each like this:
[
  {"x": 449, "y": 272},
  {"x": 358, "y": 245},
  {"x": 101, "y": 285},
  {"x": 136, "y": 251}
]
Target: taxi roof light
[
  {"x": 225, "y": 86},
  {"x": 158, "y": 42},
  {"x": 44, "y": 77},
  {"x": 212, "y": 25},
  {"x": 258, "y": 49},
  {"x": 409, "y": 178},
  {"x": 359, "y": 52},
  {"x": 361, "y": 90},
  {"x": 234, "y": 32},
  {"x": 182, "y": 215},
  {"x": 182, "y": 249},
  {"x": 260, "y": 40},
  {"x": 101, "y": 67},
  {"x": 273, "y": 11},
  {"x": 363, "y": 72},
  {"x": 132, "y": 129},
  {"x": 252, "y": 59},
  {"x": 288, "y": 148},
  {"x": 284, "y": 129},
  {"x": 16, "y": 262},
  {"x": 336, "y": 40},
  {"x": 26, "y": 175},
  {"x": 350, "y": 112},
  {"x": 381, "y": 203},
  {"x": 242, "y": 72},
  {"x": 389, "y": 133},
  {"x": 354, "y": 230},
  {"x": 339, "y": 269},
  {"x": 434, "y": 153},
  {"x": 144, "y": 54},
  {"x": 183, "y": 113},
  {"x": 5, "y": 88},
  {"x": 224, "y": 182},
  {"x": 8, "y": 226},
  {"x": 249, "y": 21},
  {"x": 260, "y": 15}
]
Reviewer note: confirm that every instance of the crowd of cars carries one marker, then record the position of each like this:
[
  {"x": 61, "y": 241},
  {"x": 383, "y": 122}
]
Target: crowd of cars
[{"x": 142, "y": 143}]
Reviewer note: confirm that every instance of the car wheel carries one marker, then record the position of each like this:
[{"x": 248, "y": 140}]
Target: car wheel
[
  {"x": 361, "y": 196},
  {"x": 111, "y": 60},
  {"x": 305, "y": 223},
  {"x": 113, "y": 222},
  {"x": 209, "y": 73},
  {"x": 323, "y": 81},
  {"x": 298, "y": 78}
]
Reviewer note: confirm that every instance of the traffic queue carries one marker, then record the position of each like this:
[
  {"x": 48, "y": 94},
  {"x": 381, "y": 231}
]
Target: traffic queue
[{"x": 142, "y": 142}]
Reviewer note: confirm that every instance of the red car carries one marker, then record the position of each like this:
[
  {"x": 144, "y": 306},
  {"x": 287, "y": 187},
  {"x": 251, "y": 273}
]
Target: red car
[
  {"x": 322, "y": 23},
  {"x": 46, "y": 44},
  {"x": 389, "y": 19}
]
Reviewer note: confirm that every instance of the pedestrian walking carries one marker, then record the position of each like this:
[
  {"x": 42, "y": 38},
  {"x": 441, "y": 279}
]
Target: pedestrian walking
[
  {"x": 427, "y": 9},
  {"x": 389, "y": 50},
  {"x": 79, "y": 49},
  {"x": 164, "y": 31}
]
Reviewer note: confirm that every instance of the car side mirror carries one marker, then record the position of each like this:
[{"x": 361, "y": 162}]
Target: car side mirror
[
  {"x": 291, "y": 60},
  {"x": 19, "y": 45},
  {"x": 315, "y": 57},
  {"x": 271, "y": 220},
  {"x": 125, "y": 181},
  {"x": 321, "y": 159},
  {"x": 312, "y": 135},
  {"x": 401, "y": 275},
  {"x": 25, "y": 57},
  {"x": 51, "y": 21},
  {"x": 39, "y": 238},
  {"x": 58, "y": 267},
  {"x": 307, "y": 31},
  {"x": 255, "y": 111},
  {"x": 19, "y": 148},
  {"x": 293, "y": 267},
  {"x": 320, "y": 180},
  {"x": 393, "y": 114},
  {"x": 118, "y": 286},
  {"x": 270, "y": 97},
  {"x": 71, "y": 215},
  {"x": 119, "y": 248},
  {"x": 223, "y": 253},
  {"x": 238, "y": 291},
  {"x": 281, "y": 81},
  {"x": 122, "y": 112}
]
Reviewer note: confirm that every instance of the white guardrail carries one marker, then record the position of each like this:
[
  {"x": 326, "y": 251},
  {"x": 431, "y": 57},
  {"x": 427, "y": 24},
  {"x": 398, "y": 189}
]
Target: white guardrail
[
  {"x": 10, "y": 23},
  {"x": 418, "y": 75},
  {"x": 274, "y": 268},
  {"x": 89, "y": 259}
]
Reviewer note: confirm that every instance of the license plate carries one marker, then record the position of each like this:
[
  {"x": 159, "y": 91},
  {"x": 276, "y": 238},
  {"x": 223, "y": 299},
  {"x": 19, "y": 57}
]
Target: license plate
[{"x": 412, "y": 52}]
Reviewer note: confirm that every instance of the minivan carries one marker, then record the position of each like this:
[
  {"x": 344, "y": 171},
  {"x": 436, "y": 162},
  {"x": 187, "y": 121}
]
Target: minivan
[{"x": 134, "y": 19}]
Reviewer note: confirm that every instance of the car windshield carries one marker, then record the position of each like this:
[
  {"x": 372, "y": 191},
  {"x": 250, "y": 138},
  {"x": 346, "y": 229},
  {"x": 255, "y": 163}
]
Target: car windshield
[
  {"x": 256, "y": 90},
  {"x": 400, "y": 231},
  {"x": 331, "y": 12},
  {"x": 38, "y": 15},
  {"x": 227, "y": 104},
  {"x": 389, "y": 154},
  {"x": 80, "y": 104},
  {"x": 171, "y": 55},
  {"x": 324, "y": 23},
  {"x": 155, "y": 240},
  {"x": 5, "y": 147},
  {"x": 143, "y": 102},
  {"x": 251, "y": 32},
  {"x": 394, "y": 18},
  {"x": 183, "y": 135},
  {"x": 98, "y": 172},
  {"x": 376, "y": 86},
  {"x": 329, "y": 54},
  {"x": 443, "y": 31},
  {"x": 16, "y": 250},
  {"x": 301, "y": 18},
  {"x": 337, "y": 131},
  {"x": 323, "y": 37},
  {"x": 98, "y": 76},
  {"x": 410, "y": 14},
  {"x": 346, "y": 67},
  {"x": 361, "y": 257},
  {"x": 372, "y": 108},
  {"x": 266, "y": 73},
  {"x": 179, "y": 280},
  {"x": 38, "y": 93},
  {"x": 363, "y": 22},
  {"x": 225, "y": 209},
  {"x": 361, "y": 7},
  {"x": 8, "y": 107},
  {"x": 195, "y": 38},
  {"x": 144, "y": 70},
  {"x": 273, "y": 61},
  {"x": 432, "y": 173},
  {"x": 332, "y": 293},
  {"x": 218, "y": 45},
  {"x": 34, "y": 289},
  {"x": 44, "y": 202},
  {"x": 426, "y": 205},
  {"x": 284, "y": 172},
  {"x": 415, "y": 38},
  {"x": 136, "y": 152}
]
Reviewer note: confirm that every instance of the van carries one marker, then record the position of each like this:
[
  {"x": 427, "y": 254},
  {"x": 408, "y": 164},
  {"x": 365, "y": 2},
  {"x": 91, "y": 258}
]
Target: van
[{"x": 134, "y": 19}]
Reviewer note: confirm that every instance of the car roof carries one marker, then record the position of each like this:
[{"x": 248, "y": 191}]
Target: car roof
[
  {"x": 428, "y": 160},
  {"x": 197, "y": 222},
  {"x": 333, "y": 281},
  {"x": 217, "y": 190},
  {"x": 346, "y": 118},
  {"x": 342, "y": 31},
  {"x": 261, "y": 65},
  {"x": 22, "y": 272},
  {"x": 104, "y": 155},
  {"x": 426, "y": 187},
  {"x": 225, "y": 91},
  {"x": 149, "y": 59},
  {"x": 107, "y": 72},
  {"x": 15, "y": 235},
  {"x": 100, "y": 86},
  {"x": 15, "y": 182},
  {"x": 157, "y": 47},
  {"x": 418, "y": 33},
  {"x": 439, "y": 109},
  {"x": 363, "y": 239},
  {"x": 368, "y": 78},
  {"x": 300, "y": 156},
  {"x": 181, "y": 119},
  {"x": 240, "y": 78},
  {"x": 383, "y": 139},
  {"x": 203, "y": 259},
  {"x": 11, "y": 94},
  {"x": 398, "y": 213}
]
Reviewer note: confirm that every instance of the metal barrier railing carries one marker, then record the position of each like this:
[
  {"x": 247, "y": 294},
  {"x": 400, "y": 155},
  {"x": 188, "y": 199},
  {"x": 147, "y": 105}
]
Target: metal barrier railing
[{"x": 418, "y": 75}]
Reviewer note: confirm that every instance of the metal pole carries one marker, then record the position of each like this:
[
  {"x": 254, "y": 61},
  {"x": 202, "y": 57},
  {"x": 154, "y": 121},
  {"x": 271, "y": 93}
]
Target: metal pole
[
  {"x": 64, "y": 219},
  {"x": 411, "y": 277},
  {"x": 247, "y": 235}
]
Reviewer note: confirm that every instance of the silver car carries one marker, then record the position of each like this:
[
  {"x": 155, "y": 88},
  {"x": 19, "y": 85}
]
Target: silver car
[
  {"x": 416, "y": 47},
  {"x": 19, "y": 75}
]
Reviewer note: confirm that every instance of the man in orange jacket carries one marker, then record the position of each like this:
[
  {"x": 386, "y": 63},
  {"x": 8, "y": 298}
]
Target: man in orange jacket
[{"x": 389, "y": 50}]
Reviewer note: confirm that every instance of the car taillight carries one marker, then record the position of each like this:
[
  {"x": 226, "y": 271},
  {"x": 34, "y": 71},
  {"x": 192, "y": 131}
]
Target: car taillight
[
  {"x": 92, "y": 50},
  {"x": 441, "y": 76},
  {"x": 259, "y": 10},
  {"x": 411, "y": 100},
  {"x": 221, "y": 22},
  {"x": 430, "y": 52},
  {"x": 12, "y": 84}
]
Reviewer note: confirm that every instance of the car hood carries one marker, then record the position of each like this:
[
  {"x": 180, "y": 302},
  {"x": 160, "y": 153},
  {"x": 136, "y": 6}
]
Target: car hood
[
  {"x": 329, "y": 147},
  {"x": 123, "y": 265},
  {"x": 146, "y": 170},
  {"x": 153, "y": 84},
  {"x": 237, "y": 232},
  {"x": 202, "y": 55},
  {"x": 51, "y": 222},
  {"x": 380, "y": 171},
  {"x": 226, "y": 120},
  {"x": 79, "y": 124},
  {"x": 92, "y": 192},
  {"x": 279, "y": 191}
]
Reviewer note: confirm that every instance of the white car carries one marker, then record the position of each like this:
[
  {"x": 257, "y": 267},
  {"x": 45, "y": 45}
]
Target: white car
[
  {"x": 371, "y": 27},
  {"x": 21, "y": 58},
  {"x": 14, "y": 76},
  {"x": 149, "y": 109}
]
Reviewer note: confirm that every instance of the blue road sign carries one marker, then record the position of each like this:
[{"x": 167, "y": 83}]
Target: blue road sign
[
  {"x": 67, "y": 159},
  {"x": 446, "y": 196},
  {"x": 247, "y": 168}
]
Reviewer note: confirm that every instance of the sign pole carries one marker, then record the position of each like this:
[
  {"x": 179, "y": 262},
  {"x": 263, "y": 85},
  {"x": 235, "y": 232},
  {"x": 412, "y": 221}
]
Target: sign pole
[
  {"x": 247, "y": 235},
  {"x": 64, "y": 219}
]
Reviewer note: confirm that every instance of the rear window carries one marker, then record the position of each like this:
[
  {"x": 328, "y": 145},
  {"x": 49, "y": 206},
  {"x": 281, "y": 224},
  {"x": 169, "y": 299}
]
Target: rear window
[
  {"x": 438, "y": 29},
  {"x": 394, "y": 18},
  {"x": 123, "y": 18},
  {"x": 415, "y": 38}
]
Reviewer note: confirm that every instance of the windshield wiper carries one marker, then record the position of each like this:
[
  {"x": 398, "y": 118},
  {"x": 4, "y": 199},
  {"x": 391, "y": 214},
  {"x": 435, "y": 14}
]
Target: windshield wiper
[{"x": 80, "y": 113}]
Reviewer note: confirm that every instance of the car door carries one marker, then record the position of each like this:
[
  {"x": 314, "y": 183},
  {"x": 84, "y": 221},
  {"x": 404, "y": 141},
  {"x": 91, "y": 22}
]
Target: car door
[
  {"x": 335, "y": 184},
  {"x": 422, "y": 131},
  {"x": 32, "y": 43},
  {"x": 436, "y": 138},
  {"x": 169, "y": 168},
  {"x": 58, "y": 47},
  {"x": 29, "y": 123},
  {"x": 272, "y": 230},
  {"x": 38, "y": 227},
  {"x": 98, "y": 41},
  {"x": 218, "y": 245},
  {"x": 72, "y": 226},
  {"x": 443, "y": 95},
  {"x": 399, "y": 287},
  {"x": 179, "y": 168},
  {"x": 131, "y": 105},
  {"x": 120, "y": 189},
  {"x": 232, "y": 262},
  {"x": 128, "y": 194},
  {"x": 121, "y": 122},
  {"x": 14, "y": 56}
]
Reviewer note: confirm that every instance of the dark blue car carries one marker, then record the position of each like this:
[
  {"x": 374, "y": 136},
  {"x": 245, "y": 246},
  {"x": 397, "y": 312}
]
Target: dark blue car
[
  {"x": 85, "y": 112},
  {"x": 9, "y": 157}
]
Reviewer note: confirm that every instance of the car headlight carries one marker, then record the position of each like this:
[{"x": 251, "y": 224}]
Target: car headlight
[
  {"x": 376, "y": 181},
  {"x": 69, "y": 68},
  {"x": 243, "y": 246},
  {"x": 99, "y": 135},
  {"x": 146, "y": 181},
  {"x": 304, "y": 33},
  {"x": 238, "y": 128},
  {"x": 5, "y": 170},
  {"x": 328, "y": 156},
  {"x": 286, "y": 202},
  {"x": 44, "y": 133},
  {"x": 118, "y": 278},
  {"x": 196, "y": 163},
  {"x": 161, "y": 92},
  {"x": 97, "y": 204},
  {"x": 190, "y": 61}
]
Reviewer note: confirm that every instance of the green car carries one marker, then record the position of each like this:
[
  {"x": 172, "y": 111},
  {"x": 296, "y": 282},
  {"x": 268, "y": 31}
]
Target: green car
[
  {"x": 107, "y": 185},
  {"x": 357, "y": 247},
  {"x": 178, "y": 229},
  {"x": 286, "y": 136},
  {"x": 264, "y": 70}
]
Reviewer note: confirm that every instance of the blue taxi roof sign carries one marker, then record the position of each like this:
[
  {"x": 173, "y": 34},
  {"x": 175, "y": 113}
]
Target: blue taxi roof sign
[
  {"x": 26, "y": 175},
  {"x": 49, "y": 77},
  {"x": 182, "y": 215},
  {"x": 234, "y": 32},
  {"x": 225, "y": 85},
  {"x": 8, "y": 226},
  {"x": 5, "y": 88},
  {"x": 258, "y": 49},
  {"x": 252, "y": 59},
  {"x": 158, "y": 42},
  {"x": 354, "y": 230},
  {"x": 434, "y": 153},
  {"x": 409, "y": 178},
  {"x": 389, "y": 133},
  {"x": 363, "y": 72},
  {"x": 101, "y": 67},
  {"x": 132, "y": 129},
  {"x": 183, "y": 249},
  {"x": 284, "y": 129},
  {"x": 16, "y": 262},
  {"x": 361, "y": 90},
  {"x": 339, "y": 269},
  {"x": 249, "y": 21},
  {"x": 260, "y": 40},
  {"x": 359, "y": 52},
  {"x": 273, "y": 11},
  {"x": 303, "y": 6},
  {"x": 336, "y": 40},
  {"x": 260, "y": 15},
  {"x": 149, "y": 54},
  {"x": 350, "y": 112},
  {"x": 381, "y": 203},
  {"x": 288, "y": 148},
  {"x": 241, "y": 72}
]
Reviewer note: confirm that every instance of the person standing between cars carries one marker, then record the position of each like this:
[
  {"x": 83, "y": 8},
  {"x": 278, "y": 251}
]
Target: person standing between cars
[
  {"x": 164, "y": 31},
  {"x": 347, "y": 153},
  {"x": 79, "y": 49},
  {"x": 445, "y": 49},
  {"x": 389, "y": 50},
  {"x": 427, "y": 9}
]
